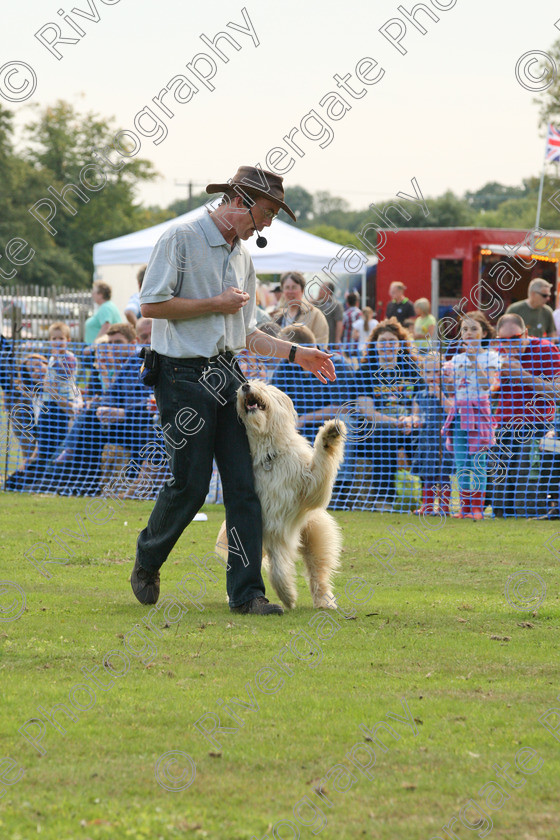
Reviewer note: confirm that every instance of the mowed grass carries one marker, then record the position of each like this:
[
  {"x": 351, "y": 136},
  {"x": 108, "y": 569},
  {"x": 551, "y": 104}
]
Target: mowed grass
[{"x": 476, "y": 675}]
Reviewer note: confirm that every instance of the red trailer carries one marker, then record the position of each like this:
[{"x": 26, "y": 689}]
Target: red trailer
[{"x": 463, "y": 268}]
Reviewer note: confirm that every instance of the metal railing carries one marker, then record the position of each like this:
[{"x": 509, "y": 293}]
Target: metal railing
[{"x": 27, "y": 311}]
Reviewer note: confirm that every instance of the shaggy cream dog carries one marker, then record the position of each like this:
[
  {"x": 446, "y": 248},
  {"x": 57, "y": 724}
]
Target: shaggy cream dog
[{"x": 294, "y": 483}]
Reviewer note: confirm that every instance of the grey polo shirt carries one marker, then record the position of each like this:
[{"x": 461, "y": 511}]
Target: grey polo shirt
[{"x": 194, "y": 261}]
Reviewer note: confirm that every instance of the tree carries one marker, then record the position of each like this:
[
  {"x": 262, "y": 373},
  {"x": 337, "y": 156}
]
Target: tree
[
  {"x": 521, "y": 212},
  {"x": 549, "y": 100},
  {"x": 59, "y": 143},
  {"x": 492, "y": 194},
  {"x": 301, "y": 202},
  {"x": 19, "y": 182},
  {"x": 324, "y": 204},
  {"x": 448, "y": 210},
  {"x": 343, "y": 237}
]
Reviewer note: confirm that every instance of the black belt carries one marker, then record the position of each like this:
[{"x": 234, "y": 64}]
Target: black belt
[{"x": 200, "y": 361}]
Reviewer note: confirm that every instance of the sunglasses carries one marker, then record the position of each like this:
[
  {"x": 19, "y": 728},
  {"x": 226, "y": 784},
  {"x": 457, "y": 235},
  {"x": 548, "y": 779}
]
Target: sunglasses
[
  {"x": 544, "y": 294},
  {"x": 511, "y": 338}
]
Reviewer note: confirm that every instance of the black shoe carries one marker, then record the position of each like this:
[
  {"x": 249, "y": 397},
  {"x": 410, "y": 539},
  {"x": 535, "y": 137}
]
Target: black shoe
[
  {"x": 145, "y": 584},
  {"x": 258, "y": 606}
]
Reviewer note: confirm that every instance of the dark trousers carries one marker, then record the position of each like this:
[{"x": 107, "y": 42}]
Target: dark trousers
[
  {"x": 52, "y": 428},
  {"x": 509, "y": 468},
  {"x": 383, "y": 446},
  {"x": 200, "y": 423}
]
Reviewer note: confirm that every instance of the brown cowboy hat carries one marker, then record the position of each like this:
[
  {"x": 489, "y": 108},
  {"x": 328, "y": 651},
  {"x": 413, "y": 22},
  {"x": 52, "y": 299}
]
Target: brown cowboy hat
[{"x": 251, "y": 180}]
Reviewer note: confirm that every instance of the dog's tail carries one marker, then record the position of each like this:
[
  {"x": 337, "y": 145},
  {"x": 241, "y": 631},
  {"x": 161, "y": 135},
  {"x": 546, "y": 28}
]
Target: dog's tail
[{"x": 222, "y": 542}]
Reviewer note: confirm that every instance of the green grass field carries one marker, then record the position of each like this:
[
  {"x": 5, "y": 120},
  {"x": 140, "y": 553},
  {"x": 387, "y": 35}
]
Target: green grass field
[{"x": 465, "y": 672}]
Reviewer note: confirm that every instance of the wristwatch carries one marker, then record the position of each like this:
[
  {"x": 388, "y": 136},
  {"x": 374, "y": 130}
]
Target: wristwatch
[{"x": 293, "y": 350}]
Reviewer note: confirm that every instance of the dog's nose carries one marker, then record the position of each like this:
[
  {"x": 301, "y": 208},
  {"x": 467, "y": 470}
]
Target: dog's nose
[{"x": 245, "y": 387}]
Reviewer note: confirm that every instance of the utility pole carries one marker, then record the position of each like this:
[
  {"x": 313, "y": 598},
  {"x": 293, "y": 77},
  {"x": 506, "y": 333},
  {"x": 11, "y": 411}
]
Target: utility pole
[{"x": 190, "y": 185}]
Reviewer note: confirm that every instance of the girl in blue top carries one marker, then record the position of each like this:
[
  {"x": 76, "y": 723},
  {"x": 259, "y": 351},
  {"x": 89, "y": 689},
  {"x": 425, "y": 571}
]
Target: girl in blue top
[{"x": 432, "y": 462}]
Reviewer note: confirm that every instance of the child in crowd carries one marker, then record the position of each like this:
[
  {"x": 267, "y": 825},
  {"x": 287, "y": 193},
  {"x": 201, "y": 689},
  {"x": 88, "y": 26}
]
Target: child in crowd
[
  {"x": 61, "y": 396},
  {"x": 363, "y": 327},
  {"x": 22, "y": 400},
  {"x": 60, "y": 400},
  {"x": 103, "y": 371},
  {"x": 102, "y": 375},
  {"x": 431, "y": 460},
  {"x": 471, "y": 376},
  {"x": 425, "y": 323}
]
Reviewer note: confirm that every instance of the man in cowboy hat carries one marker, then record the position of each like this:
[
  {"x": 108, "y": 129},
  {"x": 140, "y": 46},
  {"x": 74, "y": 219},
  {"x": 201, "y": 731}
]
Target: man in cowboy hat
[{"x": 199, "y": 288}]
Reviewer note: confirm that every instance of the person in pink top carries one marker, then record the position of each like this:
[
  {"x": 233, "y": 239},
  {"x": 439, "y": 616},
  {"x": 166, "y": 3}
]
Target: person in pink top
[
  {"x": 525, "y": 409},
  {"x": 470, "y": 378}
]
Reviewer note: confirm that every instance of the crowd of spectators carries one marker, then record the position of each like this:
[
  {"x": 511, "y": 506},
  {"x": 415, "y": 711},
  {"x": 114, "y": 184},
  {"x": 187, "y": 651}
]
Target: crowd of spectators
[
  {"x": 477, "y": 412},
  {"x": 472, "y": 412},
  {"x": 74, "y": 440}
]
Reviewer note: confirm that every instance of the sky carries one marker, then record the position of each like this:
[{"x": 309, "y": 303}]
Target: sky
[{"x": 451, "y": 112}]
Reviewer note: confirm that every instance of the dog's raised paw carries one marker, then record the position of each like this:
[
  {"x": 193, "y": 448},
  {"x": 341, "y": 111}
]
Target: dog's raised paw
[{"x": 332, "y": 431}]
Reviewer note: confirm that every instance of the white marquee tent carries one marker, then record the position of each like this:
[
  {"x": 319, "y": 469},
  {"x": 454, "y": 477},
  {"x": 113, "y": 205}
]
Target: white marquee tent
[{"x": 289, "y": 249}]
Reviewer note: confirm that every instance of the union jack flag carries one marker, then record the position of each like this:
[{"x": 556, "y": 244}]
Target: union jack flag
[{"x": 552, "y": 154}]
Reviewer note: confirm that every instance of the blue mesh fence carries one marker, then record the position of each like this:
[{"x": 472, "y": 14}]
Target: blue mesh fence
[
  {"x": 429, "y": 429},
  {"x": 79, "y": 422}
]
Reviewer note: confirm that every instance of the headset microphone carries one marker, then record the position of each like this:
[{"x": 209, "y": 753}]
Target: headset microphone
[{"x": 261, "y": 241}]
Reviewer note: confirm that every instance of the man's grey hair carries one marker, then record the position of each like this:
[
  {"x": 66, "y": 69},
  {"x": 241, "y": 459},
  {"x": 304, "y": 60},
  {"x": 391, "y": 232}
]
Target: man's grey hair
[{"x": 539, "y": 284}]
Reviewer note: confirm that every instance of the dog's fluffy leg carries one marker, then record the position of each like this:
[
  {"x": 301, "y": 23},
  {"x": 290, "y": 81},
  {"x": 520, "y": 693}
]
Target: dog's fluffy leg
[
  {"x": 328, "y": 454},
  {"x": 281, "y": 571},
  {"x": 321, "y": 544}
]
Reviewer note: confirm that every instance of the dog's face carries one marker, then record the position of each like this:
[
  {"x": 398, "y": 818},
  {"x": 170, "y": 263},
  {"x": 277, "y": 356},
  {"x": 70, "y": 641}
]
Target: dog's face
[{"x": 264, "y": 409}]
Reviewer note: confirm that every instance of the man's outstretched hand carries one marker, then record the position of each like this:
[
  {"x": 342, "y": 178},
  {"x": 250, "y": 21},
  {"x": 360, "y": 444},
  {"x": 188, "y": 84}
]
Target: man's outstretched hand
[{"x": 317, "y": 362}]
